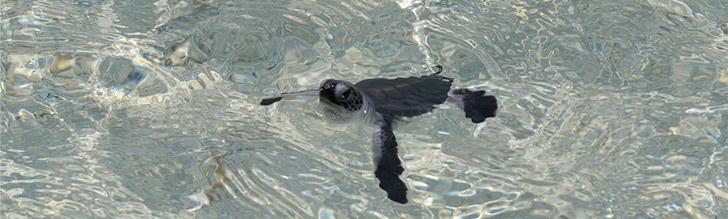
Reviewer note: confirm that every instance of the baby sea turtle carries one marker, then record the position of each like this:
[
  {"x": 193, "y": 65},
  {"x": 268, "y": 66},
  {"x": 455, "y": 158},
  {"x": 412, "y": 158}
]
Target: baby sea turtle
[{"x": 384, "y": 101}]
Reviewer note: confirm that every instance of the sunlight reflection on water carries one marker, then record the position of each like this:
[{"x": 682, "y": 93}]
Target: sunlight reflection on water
[{"x": 149, "y": 109}]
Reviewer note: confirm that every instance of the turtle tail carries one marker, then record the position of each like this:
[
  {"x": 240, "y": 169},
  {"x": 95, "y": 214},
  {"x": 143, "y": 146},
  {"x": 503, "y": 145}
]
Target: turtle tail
[
  {"x": 437, "y": 70},
  {"x": 476, "y": 104}
]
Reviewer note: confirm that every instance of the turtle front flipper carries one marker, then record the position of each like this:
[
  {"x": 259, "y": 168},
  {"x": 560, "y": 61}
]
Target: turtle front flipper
[{"x": 389, "y": 166}]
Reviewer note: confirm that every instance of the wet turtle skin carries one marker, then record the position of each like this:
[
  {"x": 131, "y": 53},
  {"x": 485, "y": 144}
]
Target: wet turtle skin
[{"x": 385, "y": 101}]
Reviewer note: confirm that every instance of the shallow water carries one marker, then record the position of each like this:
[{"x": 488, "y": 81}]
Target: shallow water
[{"x": 149, "y": 109}]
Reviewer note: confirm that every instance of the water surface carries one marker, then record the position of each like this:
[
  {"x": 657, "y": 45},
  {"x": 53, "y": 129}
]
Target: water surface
[{"x": 149, "y": 108}]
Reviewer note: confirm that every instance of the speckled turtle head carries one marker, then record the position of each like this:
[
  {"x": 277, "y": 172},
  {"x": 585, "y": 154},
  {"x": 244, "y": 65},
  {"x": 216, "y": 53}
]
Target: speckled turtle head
[{"x": 340, "y": 94}]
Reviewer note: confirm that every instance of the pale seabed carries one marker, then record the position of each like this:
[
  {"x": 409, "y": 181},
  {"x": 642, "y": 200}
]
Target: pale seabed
[{"x": 608, "y": 109}]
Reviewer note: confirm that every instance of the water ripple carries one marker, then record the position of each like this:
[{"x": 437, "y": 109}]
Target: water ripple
[{"x": 149, "y": 109}]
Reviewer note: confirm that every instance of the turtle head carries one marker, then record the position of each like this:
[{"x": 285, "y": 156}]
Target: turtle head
[{"x": 340, "y": 94}]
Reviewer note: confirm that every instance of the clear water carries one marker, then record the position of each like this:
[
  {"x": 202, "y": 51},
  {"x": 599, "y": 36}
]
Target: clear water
[{"x": 148, "y": 109}]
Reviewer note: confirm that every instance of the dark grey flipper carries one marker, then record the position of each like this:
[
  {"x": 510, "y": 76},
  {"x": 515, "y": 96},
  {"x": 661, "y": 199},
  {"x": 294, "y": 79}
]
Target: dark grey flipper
[
  {"x": 269, "y": 101},
  {"x": 272, "y": 100},
  {"x": 389, "y": 167},
  {"x": 476, "y": 105}
]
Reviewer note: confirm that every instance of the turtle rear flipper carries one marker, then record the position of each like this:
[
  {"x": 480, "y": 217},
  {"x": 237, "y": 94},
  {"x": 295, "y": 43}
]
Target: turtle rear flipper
[
  {"x": 476, "y": 104},
  {"x": 389, "y": 166}
]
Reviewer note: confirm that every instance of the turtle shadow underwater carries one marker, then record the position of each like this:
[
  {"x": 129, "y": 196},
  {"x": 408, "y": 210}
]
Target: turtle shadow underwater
[{"x": 383, "y": 102}]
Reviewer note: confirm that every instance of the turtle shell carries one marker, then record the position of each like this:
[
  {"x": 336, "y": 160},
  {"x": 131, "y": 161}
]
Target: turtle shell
[{"x": 406, "y": 97}]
